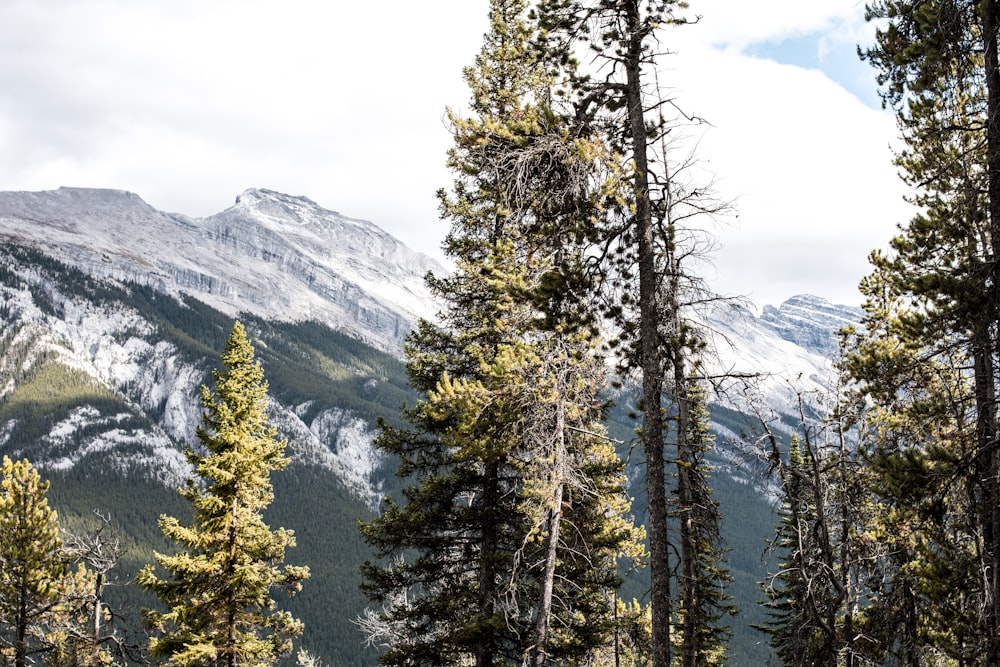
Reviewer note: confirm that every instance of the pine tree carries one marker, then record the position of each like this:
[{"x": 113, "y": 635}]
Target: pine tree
[
  {"x": 505, "y": 544},
  {"x": 46, "y": 613},
  {"x": 218, "y": 592},
  {"x": 938, "y": 66},
  {"x": 798, "y": 594},
  {"x": 820, "y": 598},
  {"x": 936, "y": 297},
  {"x": 918, "y": 438},
  {"x": 703, "y": 602},
  {"x": 33, "y": 566},
  {"x": 647, "y": 284}
]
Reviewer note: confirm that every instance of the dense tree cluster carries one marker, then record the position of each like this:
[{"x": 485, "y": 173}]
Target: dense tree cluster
[
  {"x": 891, "y": 548},
  {"x": 568, "y": 221},
  {"x": 573, "y": 230},
  {"x": 219, "y": 609},
  {"x": 888, "y": 543}
]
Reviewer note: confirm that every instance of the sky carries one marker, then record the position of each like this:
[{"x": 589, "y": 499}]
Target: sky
[{"x": 189, "y": 102}]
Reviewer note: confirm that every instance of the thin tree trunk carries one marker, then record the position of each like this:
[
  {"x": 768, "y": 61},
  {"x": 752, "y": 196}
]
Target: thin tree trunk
[
  {"x": 992, "y": 533},
  {"x": 986, "y": 464},
  {"x": 690, "y": 594},
  {"x": 651, "y": 355},
  {"x": 846, "y": 566},
  {"x": 21, "y": 631},
  {"x": 98, "y": 584},
  {"x": 542, "y": 622},
  {"x": 487, "y": 567}
]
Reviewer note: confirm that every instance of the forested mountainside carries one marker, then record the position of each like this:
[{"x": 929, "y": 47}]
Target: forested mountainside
[
  {"x": 100, "y": 390},
  {"x": 100, "y": 367}
]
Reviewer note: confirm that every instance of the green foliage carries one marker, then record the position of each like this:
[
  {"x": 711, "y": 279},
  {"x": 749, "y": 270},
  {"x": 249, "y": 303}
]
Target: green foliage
[
  {"x": 44, "y": 391},
  {"x": 218, "y": 595},
  {"x": 799, "y": 589},
  {"x": 704, "y": 602},
  {"x": 44, "y": 602},
  {"x": 926, "y": 360},
  {"x": 33, "y": 568},
  {"x": 505, "y": 541},
  {"x": 309, "y": 499},
  {"x": 321, "y": 509}
]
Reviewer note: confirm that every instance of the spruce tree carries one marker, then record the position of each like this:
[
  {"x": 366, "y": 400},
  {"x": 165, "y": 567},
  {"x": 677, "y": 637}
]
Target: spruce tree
[
  {"x": 703, "y": 601},
  {"x": 218, "y": 586},
  {"x": 798, "y": 593}
]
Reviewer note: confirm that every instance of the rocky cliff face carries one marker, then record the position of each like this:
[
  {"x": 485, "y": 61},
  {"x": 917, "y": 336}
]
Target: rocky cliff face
[
  {"x": 89, "y": 378},
  {"x": 775, "y": 359},
  {"x": 285, "y": 258},
  {"x": 277, "y": 256},
  {"x": 810, "y": 322}
]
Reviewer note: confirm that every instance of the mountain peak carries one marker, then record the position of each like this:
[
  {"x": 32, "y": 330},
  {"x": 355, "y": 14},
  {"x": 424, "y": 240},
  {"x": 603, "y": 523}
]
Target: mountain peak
[
  {"x": 70, "y": 204},
  {"x": 276, "y": 255},
  {"x": 255, "y": 197},
  {"x": 810, "y": 321}
]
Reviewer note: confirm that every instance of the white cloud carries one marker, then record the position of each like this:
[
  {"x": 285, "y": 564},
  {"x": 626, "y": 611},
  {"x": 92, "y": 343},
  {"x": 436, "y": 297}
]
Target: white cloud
[
  {"x": 188, "y": 103},
  {"x": 737, "y": 24},
  {"x": 809, "y": 166}
]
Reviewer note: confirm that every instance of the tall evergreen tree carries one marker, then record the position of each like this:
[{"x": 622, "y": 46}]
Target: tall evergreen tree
[
  {"x": 703, "y": 601},
  {"x": 505, "y": 544},
  {"x": 218, "y": 590},
  {"x": 938, "y": 268},
  {"x": 800, "y": 594},
  {"x": 936, "y": 296},
  {"x": 644, "y": 265},
  {"x": 33, "y": 567},
  {"x": 46, "y": 612},
  {"x": 919, "y": 439}
]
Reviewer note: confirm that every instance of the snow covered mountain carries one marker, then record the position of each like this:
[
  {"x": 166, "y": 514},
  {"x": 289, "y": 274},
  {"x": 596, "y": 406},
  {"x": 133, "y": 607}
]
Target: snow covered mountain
[
  {"x": 277, "y": 256},
  {"x": 284, "y": 258},
  {"x": 785, "y": 353},
  {"x": 113, "y": 313}
]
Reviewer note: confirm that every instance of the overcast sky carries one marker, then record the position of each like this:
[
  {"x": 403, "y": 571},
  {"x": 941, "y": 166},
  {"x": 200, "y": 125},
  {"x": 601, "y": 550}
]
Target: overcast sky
[{"x": 189, "y": 102}]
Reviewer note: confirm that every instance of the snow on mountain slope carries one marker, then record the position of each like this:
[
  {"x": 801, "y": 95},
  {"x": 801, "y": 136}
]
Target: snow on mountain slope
[
  {"x": 810, "y": 322},
  {"x": 140, "y": 404},
  {"x": 285, "y": 258},
  {"x": 785, "y": 353},
  {"x": 275, "y": 255}
]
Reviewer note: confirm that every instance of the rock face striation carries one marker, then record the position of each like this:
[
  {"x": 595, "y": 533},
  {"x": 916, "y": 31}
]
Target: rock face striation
[
  {"x": 810, "y": 322},
  {"x": 284, "y": 258},
  {"x": 278, "y": 256}
]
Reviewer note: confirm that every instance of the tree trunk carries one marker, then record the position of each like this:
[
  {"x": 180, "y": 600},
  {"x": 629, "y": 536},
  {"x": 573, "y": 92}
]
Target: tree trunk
[
  {"x": 690, "y": 594},
  {"x": 992, "y": 532},
  {"x": 487, "y": 567},
  {"x": 21, "y": 629},
  {"x": 542, "y": 622},
  {"x": 649, "y": 340},
  {"x": 651, "y": 355}
]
